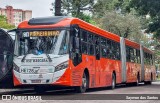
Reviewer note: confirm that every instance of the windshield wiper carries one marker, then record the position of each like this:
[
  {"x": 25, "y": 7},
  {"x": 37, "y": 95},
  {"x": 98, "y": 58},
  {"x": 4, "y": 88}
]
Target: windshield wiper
[
  {"x": 49, "y": 58},
  {"x": 24, "y": 57}
]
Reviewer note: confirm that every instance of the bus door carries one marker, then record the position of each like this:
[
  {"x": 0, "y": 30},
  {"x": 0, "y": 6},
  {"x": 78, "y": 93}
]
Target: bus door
[{"x": 97, "y": 62}]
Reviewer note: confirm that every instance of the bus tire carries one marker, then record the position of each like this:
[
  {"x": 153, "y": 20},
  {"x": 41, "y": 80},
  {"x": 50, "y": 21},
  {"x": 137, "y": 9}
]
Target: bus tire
[
  {"x": 85, "y": 83},
  {"x": 113, "y": 85},
  {"x": 39, "y": 89}
]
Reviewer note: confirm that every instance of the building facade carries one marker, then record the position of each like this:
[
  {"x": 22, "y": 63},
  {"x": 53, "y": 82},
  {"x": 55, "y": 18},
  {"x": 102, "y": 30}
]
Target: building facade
[{"x": 15, "y": 16}]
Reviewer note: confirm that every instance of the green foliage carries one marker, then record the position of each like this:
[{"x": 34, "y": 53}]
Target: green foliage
[
  {"x": 76, "y": 7},
  {"x": 110, "y": 5},
  {"x": 112, "y": 15},
  {"x": 127, "y": 26},
  {"x": 4, "y": 24},
  {"x": 87, "y": 18},
  {"x": 151, "y": 8}
]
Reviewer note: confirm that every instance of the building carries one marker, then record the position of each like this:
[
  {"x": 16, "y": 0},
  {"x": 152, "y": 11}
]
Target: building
[{"x": 15, "y": 16}]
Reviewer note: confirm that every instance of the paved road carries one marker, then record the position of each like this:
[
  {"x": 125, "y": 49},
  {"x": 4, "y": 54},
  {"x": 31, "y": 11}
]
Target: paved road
[{"x": 92, "y": 94}]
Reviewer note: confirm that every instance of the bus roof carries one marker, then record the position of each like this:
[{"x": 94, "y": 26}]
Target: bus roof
[{"x": 46, "y": 21}]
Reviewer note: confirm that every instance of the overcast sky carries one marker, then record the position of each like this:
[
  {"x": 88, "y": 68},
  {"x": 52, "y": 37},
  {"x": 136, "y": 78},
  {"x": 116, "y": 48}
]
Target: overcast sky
[{"x": 40, "y": 8}]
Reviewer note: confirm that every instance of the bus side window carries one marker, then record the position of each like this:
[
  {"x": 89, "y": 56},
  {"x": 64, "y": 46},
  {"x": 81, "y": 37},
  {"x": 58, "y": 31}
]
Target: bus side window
[
  {"x": 84, "y": 35},
  {"x": 97, "y": 46},
  {"x": 145, "y": 58},
  {"x": 131, "y": 54},
  {"x": 91, "y": 46},
  {"x": 135, "y": 56},
  {"x": 84, "y": 41},
  {"x": 103, "y": 47},
  {"x": 128, "y": 54},
  {"x": 84, "y": 48},
  {"x": 103, "y": 41},
  {"x": 109, "y": 51},
  {"x": 138, "y": 56},
  {"x": 117, "y": 51},
  {"x": 151, "y": 59},
  {"x": 113, "y": 49}
]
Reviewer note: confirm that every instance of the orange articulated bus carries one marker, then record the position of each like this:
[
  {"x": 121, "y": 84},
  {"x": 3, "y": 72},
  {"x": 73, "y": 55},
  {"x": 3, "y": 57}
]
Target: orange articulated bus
[{"x": 67, "y": 51}]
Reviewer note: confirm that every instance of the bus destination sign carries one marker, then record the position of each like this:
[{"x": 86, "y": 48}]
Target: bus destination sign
[{"x": 44, "y": 33}]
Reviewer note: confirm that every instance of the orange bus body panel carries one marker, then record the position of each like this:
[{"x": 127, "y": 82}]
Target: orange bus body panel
[{"x": 16, "y": 81}]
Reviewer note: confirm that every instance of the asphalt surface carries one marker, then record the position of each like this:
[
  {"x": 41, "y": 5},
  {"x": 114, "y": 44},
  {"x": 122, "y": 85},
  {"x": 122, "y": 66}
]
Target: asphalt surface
[{"x": 122, "y": 94}]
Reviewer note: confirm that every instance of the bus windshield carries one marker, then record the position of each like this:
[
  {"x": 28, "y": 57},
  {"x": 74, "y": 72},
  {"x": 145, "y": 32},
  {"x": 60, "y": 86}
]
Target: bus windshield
[{"x": 42, "y": 42}]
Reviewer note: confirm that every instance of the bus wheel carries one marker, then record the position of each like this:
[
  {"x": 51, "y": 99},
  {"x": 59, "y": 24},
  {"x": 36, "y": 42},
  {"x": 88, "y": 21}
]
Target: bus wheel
[
  {"x": 83, "y": 88},
  {"x": 39, "y": 89},
  {"x": 113, "y": 82}
]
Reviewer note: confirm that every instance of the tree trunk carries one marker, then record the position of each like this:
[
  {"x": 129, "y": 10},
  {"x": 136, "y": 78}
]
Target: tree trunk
[{"x": 58, "y": 8}]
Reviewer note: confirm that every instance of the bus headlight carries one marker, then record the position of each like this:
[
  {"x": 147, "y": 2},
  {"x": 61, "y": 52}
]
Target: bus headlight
[
  {"x": 16, "y": 68},
  {"x": 61, "y": 66}
]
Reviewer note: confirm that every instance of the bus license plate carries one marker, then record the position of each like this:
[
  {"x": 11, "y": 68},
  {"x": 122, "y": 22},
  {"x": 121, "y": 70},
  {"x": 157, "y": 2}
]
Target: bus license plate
[{"x": 36, "y": 81}]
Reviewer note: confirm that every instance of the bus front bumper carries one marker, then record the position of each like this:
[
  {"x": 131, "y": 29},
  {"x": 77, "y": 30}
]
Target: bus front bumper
[{"x": 57, "y": 78}]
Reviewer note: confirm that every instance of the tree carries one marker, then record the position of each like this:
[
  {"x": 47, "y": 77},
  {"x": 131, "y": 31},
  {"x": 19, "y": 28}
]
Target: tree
[
  {"x": 151, "y": 8},
  {"x": 101, "y": 6},
  {"x": 4, "y": 24},
  {"x": 58, "y": 8},
  {"x": 75, "y": 8},
  {"x": 127, "y": 26}
]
